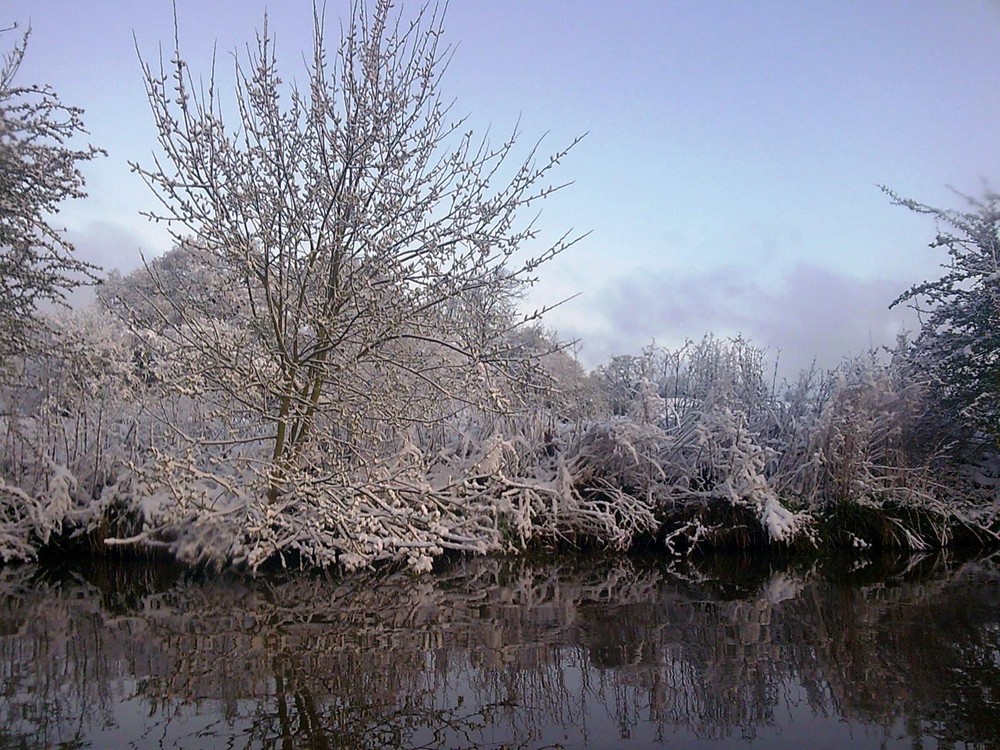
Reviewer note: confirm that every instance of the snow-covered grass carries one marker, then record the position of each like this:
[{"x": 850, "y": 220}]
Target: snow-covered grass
[{"x": 709, "y": 453}]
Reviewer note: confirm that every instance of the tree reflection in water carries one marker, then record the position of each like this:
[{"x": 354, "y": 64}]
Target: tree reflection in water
[{"x": 509, "y": 653}]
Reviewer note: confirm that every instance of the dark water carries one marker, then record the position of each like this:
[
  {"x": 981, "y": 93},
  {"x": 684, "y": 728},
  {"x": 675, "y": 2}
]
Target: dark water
[{"x": 501, "y": 653}]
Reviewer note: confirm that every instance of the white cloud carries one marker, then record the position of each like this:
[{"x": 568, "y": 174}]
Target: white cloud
[
  {"x": 108, "y": 246},
  {"x": 809, "y": 313}
]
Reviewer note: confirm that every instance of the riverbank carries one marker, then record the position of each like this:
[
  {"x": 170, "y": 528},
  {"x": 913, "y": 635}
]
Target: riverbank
[
  {"x": 847, "y": 531},
  {"x": 852, "y": 459}
]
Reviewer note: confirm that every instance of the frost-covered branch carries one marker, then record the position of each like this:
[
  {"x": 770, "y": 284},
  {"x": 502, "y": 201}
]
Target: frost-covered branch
[{"x": 39, "y": 170}]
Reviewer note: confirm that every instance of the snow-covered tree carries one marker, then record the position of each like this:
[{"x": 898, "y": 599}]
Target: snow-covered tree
[
  {"x": 958, "y": 347},
  {"x": 351, "y": 218},
  {"x": 557, "y": 385},
  {"x": 621, "y": 380},
  {"x": 39, "y": 169}
]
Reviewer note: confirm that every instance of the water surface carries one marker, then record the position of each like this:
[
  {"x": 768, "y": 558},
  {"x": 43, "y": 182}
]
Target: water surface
[{"x": 506, "y": 653}]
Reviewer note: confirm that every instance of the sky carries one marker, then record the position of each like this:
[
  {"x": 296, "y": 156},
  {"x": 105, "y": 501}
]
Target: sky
[{"x": 729, "y": 176}]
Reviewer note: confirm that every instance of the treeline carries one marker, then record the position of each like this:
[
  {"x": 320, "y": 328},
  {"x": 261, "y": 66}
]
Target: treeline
[{"x": 696, "y": 447}]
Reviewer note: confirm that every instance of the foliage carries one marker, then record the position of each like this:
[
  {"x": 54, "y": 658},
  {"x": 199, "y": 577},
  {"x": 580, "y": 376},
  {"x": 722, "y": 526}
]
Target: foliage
[
  {"x": 722, "y": 461},
  {"x": 70, "y": 429},
  {"x": 958, "y": 347},
  {"x": 726, "y": 444},
  {"x": 621, "y": 380},
  {"x": 39, "y": 169}
]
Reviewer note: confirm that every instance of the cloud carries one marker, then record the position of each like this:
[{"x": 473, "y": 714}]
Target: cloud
[
  {"x": 809, "y": 313},
  {"x": 107, "y": 245}
]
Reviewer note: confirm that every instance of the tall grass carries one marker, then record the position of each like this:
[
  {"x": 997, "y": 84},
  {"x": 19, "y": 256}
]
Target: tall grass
[{"x": 707, "y": 449}]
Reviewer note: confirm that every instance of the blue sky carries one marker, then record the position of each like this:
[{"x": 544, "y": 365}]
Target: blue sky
[{"x": 733, "y": 152}]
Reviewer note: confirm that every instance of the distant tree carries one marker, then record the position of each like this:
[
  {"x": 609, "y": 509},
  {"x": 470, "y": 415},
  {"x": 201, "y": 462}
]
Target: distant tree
[
  {"x": 958, "y": 346},
  {"x": 621, "y": 381},
  {"x": 38, "y": 171},
  {"x": 370, "y": 239},
  {"x": 557, "y": 383}
]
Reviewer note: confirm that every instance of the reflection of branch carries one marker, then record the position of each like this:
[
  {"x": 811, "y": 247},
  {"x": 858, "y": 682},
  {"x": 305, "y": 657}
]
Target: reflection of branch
[{"x": 396, "y": 660}]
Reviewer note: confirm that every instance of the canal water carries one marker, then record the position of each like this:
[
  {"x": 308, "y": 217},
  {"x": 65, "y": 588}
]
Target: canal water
[{"x": 500, "y": 653}]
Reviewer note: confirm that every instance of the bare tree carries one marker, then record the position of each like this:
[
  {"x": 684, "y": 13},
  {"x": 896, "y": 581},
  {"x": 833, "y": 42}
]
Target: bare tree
[
  {"x": 38, "y": 171},
  {"x": 369, "y": 236}
]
